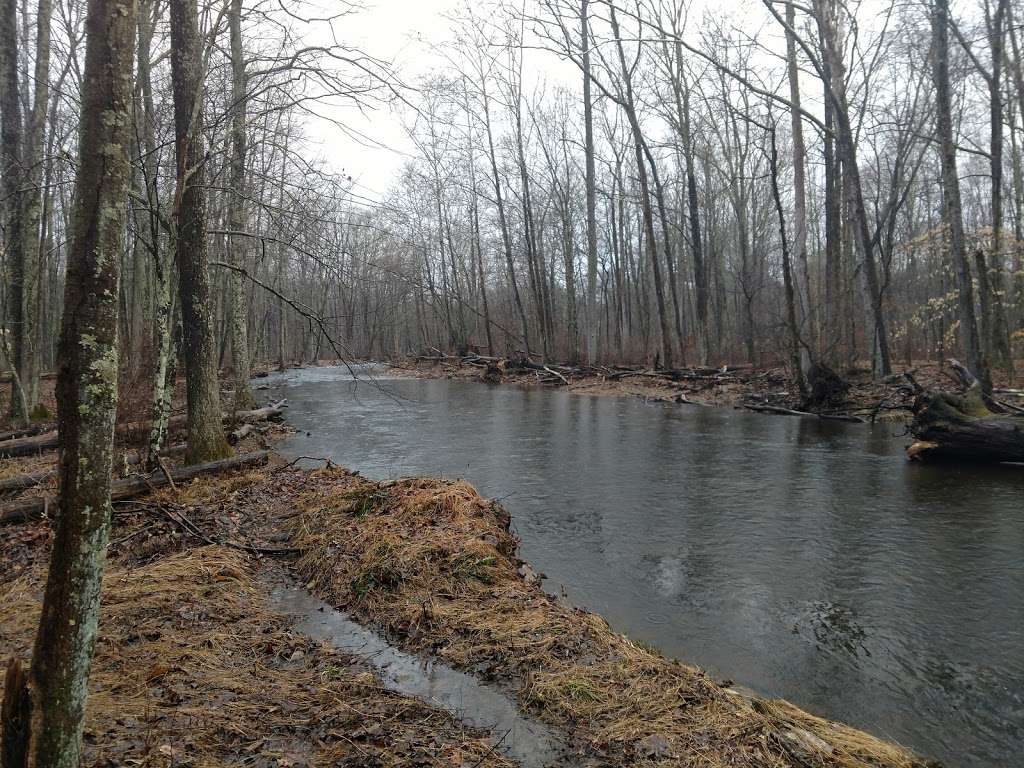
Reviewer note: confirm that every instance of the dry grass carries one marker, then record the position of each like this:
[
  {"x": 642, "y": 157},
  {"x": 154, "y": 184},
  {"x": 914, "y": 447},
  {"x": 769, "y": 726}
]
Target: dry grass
[
  {"x": 434, "y": 564},
  {"x": 191, "y": 670}
]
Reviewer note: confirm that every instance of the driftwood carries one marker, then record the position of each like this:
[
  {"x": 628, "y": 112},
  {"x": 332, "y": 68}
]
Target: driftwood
[
  {"x": 763, "y": 408},
  {"x": 962, "y": 426},
  {"x": 28, "y": 509},
  {"x": 240, "y": 434},
  {"x": 27, "y": 446}
]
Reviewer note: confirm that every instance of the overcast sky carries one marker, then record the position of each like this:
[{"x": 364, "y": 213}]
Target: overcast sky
[{"x": 401, "y": 32}]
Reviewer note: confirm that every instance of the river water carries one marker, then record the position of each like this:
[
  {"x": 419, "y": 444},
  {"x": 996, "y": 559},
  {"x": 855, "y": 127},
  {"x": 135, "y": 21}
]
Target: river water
[{"x": 806, "y": 560}]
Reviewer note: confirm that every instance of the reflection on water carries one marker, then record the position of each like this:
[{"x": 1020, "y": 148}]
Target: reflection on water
[
  {"x": 530, "y": 743},
  {"x": 802, "y": 559}
]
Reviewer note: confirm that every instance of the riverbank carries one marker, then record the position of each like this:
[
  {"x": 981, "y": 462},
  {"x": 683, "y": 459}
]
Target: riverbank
[
  {"x": 193, "y": 669},
  {"x": 767, "y": 390}
]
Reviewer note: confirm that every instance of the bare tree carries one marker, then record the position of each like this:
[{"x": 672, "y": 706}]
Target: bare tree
[
  {"x": 206, "y": 440},
  {"x": 54, "y": 712}
]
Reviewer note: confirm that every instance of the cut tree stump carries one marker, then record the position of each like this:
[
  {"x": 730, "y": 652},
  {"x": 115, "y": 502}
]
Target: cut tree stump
[{"x": 28, "y": 509}]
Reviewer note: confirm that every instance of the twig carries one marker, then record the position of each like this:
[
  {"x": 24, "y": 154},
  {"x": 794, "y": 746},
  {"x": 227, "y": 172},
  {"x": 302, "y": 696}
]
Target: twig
[{"x": 490, "y": 751}]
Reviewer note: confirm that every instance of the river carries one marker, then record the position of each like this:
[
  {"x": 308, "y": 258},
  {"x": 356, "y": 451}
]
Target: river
[{"x": 805, "y": 560}]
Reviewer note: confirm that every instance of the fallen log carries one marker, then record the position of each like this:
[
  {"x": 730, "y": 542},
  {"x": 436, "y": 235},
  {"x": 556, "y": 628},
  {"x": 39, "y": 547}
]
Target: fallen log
[
  {"x": 26, "y": 446},
  {"x": 962, "y": 427},
  {"x": 5, "y": 378},
  {"x": 28, "y": 509},
  {"x": 791, "y": 412},
  {"x": 234, "y": 438},
  {"x": 32, "y": 479},
  {"x": 951, "y": 426},
  {"x": 35, "y": 429},
  {"x": 26, "y": 480},
  {"x": 267, "y": 413}
]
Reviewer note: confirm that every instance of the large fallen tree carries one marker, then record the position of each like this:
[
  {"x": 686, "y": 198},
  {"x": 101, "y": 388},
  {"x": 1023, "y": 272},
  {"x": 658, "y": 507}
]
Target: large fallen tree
[
  {"x": 129, "y": 487},
  {"x": 27, "y": 446},
  {"x": 963, "y": 426}
]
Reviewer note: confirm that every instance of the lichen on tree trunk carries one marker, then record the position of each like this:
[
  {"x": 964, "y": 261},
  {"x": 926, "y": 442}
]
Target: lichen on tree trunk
[{"x": 86, "y": 393}]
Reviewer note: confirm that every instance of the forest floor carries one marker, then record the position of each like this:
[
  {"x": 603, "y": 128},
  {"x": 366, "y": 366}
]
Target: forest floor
[
  {"x": 195, "y": 667},
  {"x": 769, "y": 389}
]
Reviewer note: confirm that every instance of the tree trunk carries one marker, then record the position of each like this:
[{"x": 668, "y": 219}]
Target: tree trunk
[
  {"x": 645, "y": 197},
  {"x": 236, "y": 214},
  {"x": 588, "y": 151},
  {"x": 951, "y": 208},
  {"x": 86, "y": 392},
  {"x": 787, "y": 271},
  {"x": 206, "y": 440},
  {"x": 846, "y": 145},
  {"x": 705, "y": 349},
  {"x": 999, "y": 334},
  {"x": 11, "y": 178},
  {"x": 506, "y": 237},
  {"x": 805, "y": 311},
  {"x": 33, "y": 199},
  {"x": 960, "y": 427}
]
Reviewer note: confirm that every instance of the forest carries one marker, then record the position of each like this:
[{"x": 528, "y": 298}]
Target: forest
[{"x": 657, "y": 188}]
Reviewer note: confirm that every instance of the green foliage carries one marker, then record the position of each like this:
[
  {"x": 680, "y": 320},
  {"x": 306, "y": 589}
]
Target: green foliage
[{"x": 469, "y": 566}]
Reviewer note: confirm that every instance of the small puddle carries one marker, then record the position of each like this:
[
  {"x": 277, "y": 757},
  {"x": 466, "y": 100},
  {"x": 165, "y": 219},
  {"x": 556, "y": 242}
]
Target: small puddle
[{"x": 531, "y": 744}]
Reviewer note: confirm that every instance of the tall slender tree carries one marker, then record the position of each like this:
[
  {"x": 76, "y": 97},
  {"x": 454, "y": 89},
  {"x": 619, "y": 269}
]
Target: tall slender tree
[
  {"x": 55, "y": 697},
  {"x": 11, "y": 183},
  {"x": 236, "y": 213},
  {"x": 206, "y": 440},
  {"x": 952, "y": 211}
]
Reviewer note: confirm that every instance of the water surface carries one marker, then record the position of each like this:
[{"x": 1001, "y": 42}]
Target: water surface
[
  {"x": 804, "y": 559},
  {"x": 530, "y": 743}
]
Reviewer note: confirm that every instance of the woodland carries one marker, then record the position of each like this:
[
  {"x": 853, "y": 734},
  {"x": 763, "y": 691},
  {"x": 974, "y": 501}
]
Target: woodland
[{"x": 825, "y": 187}]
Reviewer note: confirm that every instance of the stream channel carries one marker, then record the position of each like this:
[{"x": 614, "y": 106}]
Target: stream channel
[{"x": 805, "y": 560}]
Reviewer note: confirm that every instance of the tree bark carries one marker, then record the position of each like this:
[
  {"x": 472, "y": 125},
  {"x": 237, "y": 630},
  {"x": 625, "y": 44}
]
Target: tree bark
[
  {"x": 35, "y": 162},
  {"x": 845, "y": 143},
  {"x": 588, "y": 151},
  {"x": 805, "y": 311},
  {"x": 11, "y": 183},
  {"x": 236, "y": 213},
  {"x": 86, "y": 392},
  {"x": 205, "y": 438},
  {"x": 951, "y": 208},
  {"x": 645, "y": 196}
]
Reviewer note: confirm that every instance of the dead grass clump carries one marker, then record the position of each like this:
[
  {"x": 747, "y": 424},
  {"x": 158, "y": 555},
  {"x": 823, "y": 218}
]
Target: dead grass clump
[
  {"x": 434, "y": 564},
  {"x": 192, "y": 670}
]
